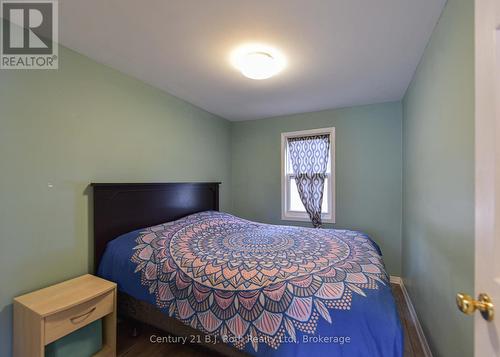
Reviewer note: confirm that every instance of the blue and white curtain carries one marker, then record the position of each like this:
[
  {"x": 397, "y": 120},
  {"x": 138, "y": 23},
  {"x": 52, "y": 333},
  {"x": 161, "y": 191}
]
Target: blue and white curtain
[{"x": 309, "y": 159}]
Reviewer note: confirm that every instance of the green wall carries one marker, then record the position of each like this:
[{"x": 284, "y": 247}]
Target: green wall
[
  {"x": 369, "y": 166},
  {"x": 82, "y": 123},
  {"x": 438, "y": 218}
]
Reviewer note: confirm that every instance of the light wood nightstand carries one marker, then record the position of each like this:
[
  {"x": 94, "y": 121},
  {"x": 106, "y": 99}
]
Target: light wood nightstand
[{"x": 46, "y": 315}]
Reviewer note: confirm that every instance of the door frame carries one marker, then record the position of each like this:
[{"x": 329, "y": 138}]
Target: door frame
[{"x": 487, "y": 169}]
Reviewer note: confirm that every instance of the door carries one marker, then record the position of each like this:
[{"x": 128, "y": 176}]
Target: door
[{"x": 487, "y": 175}]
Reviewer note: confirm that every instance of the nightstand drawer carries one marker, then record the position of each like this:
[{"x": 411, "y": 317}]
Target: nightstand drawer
[{"x": 67, "y": 321}]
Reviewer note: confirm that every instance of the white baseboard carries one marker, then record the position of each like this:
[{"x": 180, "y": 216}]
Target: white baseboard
[
  {"x": 395, "y": 279},
  {"x": 413, "y": 315}
]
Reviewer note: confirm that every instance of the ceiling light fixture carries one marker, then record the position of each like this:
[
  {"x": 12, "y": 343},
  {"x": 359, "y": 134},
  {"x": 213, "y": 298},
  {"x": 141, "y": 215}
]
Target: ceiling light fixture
[{"x": 257, "y": 61}]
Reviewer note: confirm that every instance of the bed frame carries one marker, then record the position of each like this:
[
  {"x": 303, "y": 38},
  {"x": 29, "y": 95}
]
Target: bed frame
[{"x": 123, "y": 207}]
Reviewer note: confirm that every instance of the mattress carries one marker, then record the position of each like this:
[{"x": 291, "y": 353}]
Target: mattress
[{"x": 267, "y": 290}]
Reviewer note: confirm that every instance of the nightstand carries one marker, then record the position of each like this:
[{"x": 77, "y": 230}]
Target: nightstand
[{"x": 46, "y": 315}]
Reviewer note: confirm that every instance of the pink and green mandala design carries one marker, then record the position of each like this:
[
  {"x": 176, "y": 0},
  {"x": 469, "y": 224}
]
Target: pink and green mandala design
[{"x": 227, "y": 276}]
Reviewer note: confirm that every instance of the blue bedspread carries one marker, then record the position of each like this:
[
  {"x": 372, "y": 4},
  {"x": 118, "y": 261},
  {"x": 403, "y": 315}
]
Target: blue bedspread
[{"x": 268, "y": 290}]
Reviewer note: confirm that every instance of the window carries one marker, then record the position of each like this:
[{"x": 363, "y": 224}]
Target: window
[{"x": 292, "y": 208}]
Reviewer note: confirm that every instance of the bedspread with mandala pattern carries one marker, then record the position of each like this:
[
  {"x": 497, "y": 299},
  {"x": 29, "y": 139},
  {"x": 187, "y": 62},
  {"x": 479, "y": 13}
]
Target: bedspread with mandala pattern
[{"x": 255, "y": 284}]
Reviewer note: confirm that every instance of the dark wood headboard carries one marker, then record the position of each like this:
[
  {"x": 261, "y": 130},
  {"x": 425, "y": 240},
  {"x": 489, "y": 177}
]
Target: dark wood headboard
[{"x": 123, "y": 207}]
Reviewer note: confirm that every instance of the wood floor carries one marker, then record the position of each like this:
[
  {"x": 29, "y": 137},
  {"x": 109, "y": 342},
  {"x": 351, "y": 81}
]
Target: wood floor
[
  {"x": 140, "y": 345},
  {"x": 412, "y": 345}
]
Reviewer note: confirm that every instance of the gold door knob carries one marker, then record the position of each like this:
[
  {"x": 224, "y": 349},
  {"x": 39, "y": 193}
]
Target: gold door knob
[{"x": 468, "y": 305}]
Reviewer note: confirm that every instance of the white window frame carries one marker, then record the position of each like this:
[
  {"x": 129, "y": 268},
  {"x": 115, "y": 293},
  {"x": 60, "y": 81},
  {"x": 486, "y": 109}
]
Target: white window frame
[{"x": 286, "y": 213}]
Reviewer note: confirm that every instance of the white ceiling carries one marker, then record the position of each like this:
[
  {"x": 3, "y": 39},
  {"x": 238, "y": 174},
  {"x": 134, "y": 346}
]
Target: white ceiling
[{"x": 340, "y": 52}]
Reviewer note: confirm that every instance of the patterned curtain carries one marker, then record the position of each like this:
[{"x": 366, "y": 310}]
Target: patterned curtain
[{"x": 309, "y": 159}]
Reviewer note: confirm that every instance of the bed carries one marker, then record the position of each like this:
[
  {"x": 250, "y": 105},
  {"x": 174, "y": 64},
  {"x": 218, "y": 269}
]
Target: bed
[{"x": 237, "y": 286}]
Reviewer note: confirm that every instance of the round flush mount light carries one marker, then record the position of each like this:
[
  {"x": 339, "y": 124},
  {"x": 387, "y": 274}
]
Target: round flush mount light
[{"x": 257, "y": 61}]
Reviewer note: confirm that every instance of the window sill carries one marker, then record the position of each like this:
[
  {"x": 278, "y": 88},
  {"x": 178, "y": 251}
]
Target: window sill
[{"x": 304, "y": 218}]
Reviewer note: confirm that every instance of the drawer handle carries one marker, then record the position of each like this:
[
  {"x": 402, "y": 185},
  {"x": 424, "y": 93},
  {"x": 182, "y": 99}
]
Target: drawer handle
[{"x": 83, "y": 316}]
